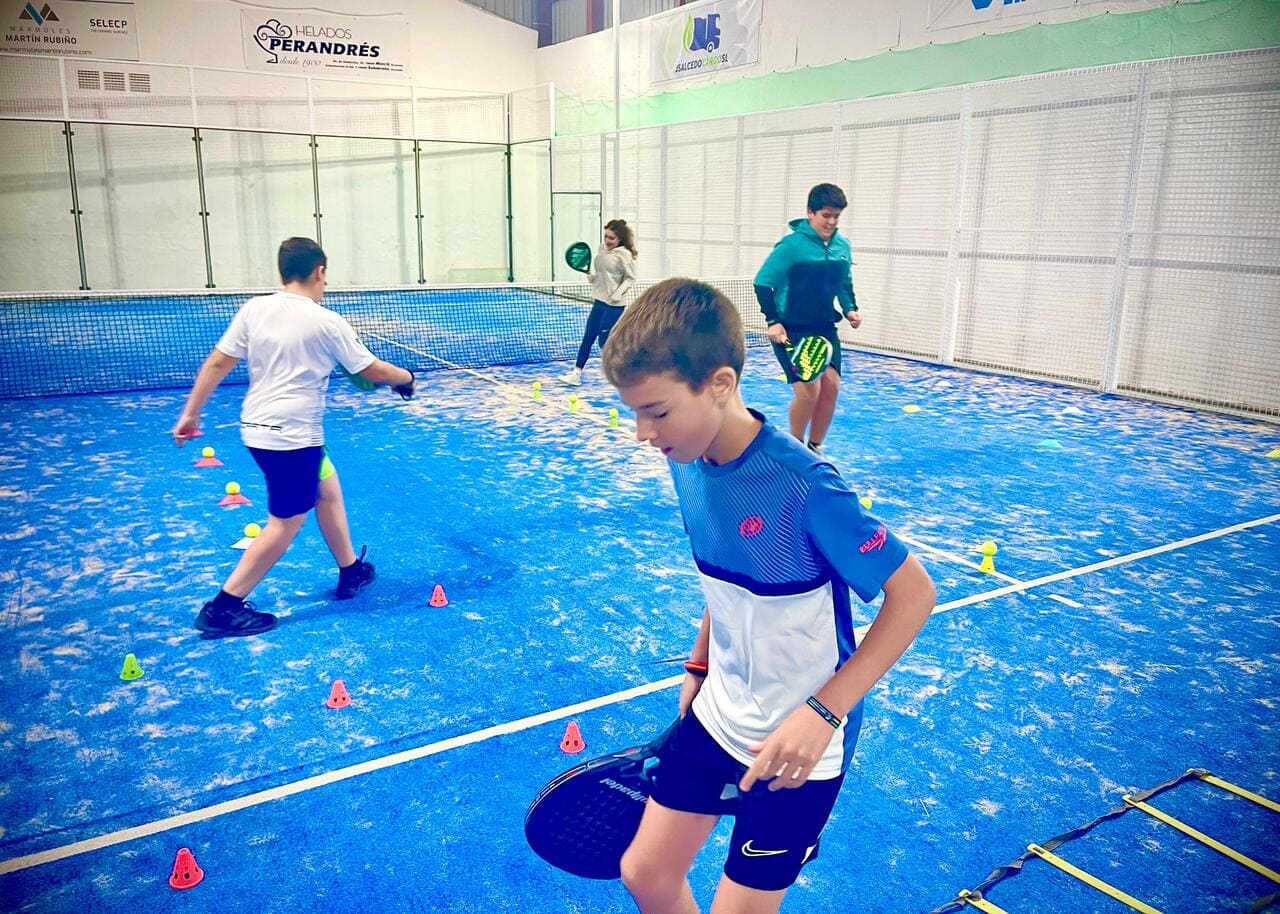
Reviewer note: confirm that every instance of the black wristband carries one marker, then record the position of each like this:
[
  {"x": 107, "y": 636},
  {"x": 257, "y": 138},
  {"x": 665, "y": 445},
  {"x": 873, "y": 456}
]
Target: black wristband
[
  {"x": 824, "y": 713},
  {"x": 696, "y": 668}
]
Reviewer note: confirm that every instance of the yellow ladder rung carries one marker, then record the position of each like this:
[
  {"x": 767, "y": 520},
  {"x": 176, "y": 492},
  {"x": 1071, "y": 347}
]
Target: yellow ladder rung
[
  {"x": 980, "y": 903},
  {"x": 1091, "y": 880},
  {"x": 1203, "y": 838},
  {"x": 1238, "y": 791}
]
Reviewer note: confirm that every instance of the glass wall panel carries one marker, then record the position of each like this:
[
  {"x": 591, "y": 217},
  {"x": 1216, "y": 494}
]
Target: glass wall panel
[
  {"x": 464, "y": 208},
  {"x": 576, "y": 217},
  {"x": 259, "y": 191},
  {"x": 37, "y": 230},
  {"x": 531, "y": 209},
  {"x": 368, "y": 198},
  {"x": 141, "y": 202}
]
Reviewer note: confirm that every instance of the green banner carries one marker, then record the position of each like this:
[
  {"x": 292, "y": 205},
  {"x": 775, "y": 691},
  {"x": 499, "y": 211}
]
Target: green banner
[{"x": 1178, "y": 30}]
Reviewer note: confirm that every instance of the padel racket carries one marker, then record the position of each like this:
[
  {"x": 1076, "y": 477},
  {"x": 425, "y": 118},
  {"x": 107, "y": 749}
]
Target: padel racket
[
  {"x": 578, "y": 256},
  {"x": 810, "y": 356},
  {"x": 584, "y": 820}
]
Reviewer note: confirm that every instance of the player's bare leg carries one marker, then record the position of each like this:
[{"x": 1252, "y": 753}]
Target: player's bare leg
[
  {"x": 732, "y": 898},
  {"x": 331, "y": 515},
  {"x": 804, "y": 399},
  {"x": 824, "y": 409},
  {"x": 263, "y": 553},
  {"x": 656, "y": 865}
]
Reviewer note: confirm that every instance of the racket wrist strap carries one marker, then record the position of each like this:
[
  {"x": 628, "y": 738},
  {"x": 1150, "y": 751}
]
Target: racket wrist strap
[
  {"x": 822, "y": 712},
  {"x": 696, "y": 668}
]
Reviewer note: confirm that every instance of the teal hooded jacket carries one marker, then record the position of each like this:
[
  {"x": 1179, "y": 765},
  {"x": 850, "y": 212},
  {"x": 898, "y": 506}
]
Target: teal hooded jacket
[{"x": 802, "y": 279}]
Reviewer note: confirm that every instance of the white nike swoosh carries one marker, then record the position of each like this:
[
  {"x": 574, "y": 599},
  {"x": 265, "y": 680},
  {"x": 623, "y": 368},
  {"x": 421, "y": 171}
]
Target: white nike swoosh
[{"x": 749, "y": 851}]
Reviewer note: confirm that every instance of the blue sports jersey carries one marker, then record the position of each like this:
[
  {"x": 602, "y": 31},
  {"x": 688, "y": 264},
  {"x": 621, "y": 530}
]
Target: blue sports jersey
[{"x": 778, "y": 539}]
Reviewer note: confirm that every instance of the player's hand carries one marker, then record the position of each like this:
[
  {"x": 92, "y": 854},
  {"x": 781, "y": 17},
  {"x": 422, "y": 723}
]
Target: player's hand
[
  {"x": 854, "y": 318},
  {"x": 186, "y": 426},
  {"x": 789, "y": 753},
  {"x": 406, "y": 390},
  {"x": 688, "y": 689},
  {"x": 778, "y": 334}
]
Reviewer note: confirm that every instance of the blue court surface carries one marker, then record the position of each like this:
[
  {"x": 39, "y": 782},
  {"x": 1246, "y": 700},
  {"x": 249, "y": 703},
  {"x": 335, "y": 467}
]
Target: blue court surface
[{"x": 1131, "y": 632}]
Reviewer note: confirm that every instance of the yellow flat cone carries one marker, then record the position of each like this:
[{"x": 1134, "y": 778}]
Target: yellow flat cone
[
  {"x": 865, "y": 501},
  {"x": 131, "y": 669},
  {"x": 911, "y": 408},
  {"x": 1274, "y": 454}
]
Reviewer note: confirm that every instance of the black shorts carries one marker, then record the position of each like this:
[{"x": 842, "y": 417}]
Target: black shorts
[
  {"x": 293, "y": 479},
  {"x": 774, "y": 832},
  {"x": 796, "y": 335}
]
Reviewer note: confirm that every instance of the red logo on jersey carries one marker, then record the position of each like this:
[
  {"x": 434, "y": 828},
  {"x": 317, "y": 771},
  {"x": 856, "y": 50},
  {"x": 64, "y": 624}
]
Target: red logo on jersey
[
  {"x": 752, "y": 525},
  {"x": 876, "y": 541}
]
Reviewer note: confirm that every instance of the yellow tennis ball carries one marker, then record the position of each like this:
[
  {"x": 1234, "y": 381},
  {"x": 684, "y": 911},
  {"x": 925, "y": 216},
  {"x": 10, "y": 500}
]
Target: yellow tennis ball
[
  {"x": 252, "y": 530},
  {"x": 233, "y": 488},
  {"x": 988, "y": 548},
  {"x": 207, "y": 452}
]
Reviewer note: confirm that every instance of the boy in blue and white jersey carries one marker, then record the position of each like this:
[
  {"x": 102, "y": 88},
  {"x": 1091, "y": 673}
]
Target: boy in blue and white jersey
[{"x": 774, "y": 681}]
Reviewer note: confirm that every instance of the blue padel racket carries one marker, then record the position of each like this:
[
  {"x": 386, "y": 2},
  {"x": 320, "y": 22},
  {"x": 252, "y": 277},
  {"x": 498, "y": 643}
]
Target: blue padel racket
[
  {"x": 578, "y": 256},
  {"x": 810, "y": 357},
  {"x": 583, "y": 820}
]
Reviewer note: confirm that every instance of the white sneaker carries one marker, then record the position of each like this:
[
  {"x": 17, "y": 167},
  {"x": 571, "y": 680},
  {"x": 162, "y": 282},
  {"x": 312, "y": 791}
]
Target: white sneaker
[{"x": 572, "y": 378}]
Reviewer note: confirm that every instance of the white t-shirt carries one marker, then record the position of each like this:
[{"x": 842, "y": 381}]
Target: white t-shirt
[{"x": 292, "y": 344}]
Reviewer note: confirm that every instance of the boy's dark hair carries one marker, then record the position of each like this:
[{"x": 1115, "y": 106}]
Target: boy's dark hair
[
  {"x": 824, "y": 195},
  {"x": 299, "y": 258},
  {"x": 681, "y": 326}
]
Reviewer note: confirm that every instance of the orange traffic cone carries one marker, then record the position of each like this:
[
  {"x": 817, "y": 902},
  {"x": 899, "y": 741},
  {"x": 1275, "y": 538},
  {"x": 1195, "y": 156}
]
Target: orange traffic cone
[
  {"x": 438, "y": 598},
  {"x": 338, "y": 695},
  {"x": 572, "y": 742},
  {"x": 186, "y": 872}
]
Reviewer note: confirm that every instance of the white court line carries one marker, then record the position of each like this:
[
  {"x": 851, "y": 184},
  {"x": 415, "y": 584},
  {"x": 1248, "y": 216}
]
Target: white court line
[
  {"x": 954, "y": 557},
  {"x": 329, "y": 777},
  {"x": 1108, "y": 563},
  {"x": 341, "y": 774},
  {"x": 585, "y": 412}
]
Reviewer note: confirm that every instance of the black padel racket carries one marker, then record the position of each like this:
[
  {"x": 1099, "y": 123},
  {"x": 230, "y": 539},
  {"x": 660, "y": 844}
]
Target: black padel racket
[{"x": 583, "y": 820}]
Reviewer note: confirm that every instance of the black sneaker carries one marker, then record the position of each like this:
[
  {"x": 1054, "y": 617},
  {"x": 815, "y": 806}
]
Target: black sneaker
[
  {"x": 355, "y": 577},
  {"x": 816, "y": 448},
  {"x": 243, "y": 620}
]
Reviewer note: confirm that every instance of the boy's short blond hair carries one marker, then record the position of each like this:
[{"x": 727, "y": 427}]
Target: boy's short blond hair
[{"x": 678, "y": 326}]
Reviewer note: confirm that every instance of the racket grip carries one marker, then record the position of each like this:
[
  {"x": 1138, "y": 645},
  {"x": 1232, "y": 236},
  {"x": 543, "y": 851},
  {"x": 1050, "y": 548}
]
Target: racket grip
[{"x": 696, "y": 667}]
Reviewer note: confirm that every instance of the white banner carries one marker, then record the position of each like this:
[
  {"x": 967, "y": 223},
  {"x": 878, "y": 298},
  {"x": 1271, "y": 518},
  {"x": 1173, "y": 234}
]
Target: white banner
[
  {"x": 307, "y": 42},
  {"x": 77, "y": 28},
  {"x": 704, "y": 38},
  {"x": 944, "y": 14}
]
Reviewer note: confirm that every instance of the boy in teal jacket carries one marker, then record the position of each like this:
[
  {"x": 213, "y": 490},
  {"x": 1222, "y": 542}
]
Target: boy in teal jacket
[{"x": 804, "y": 288}]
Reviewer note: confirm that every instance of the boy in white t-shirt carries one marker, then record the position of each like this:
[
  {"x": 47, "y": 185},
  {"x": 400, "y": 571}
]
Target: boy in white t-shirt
[{"x": 292, "y": 344}]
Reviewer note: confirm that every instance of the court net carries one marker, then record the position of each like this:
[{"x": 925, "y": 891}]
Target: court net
[{"x": 85, "y": 342}]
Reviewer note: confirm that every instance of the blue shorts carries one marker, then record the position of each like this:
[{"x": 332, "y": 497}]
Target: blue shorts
[
  {"x": 293, "y": 478},
  {"x": 774, "y": 832},
  {"x": 796, "y": 335}
]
